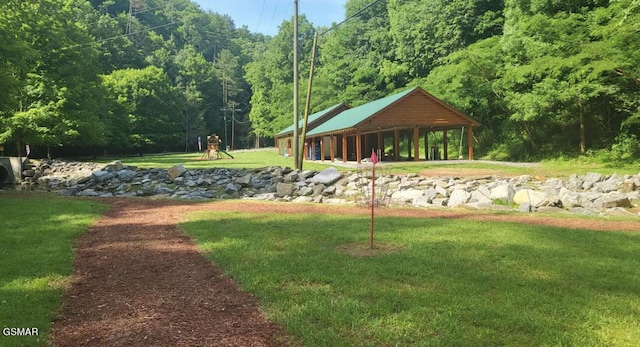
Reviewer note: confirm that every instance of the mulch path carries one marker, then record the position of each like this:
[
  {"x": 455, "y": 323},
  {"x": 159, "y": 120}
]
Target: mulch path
[{"x": 139, "y": 281}]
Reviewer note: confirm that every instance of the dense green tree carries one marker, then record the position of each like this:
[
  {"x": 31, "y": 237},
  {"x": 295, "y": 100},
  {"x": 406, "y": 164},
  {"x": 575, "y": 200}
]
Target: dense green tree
[
  {"x": 357, "y": 63},
  {"x": 426, "y": 31},
  {"x": 154, "y": 107},
  {"x": 56, "y": 104}
]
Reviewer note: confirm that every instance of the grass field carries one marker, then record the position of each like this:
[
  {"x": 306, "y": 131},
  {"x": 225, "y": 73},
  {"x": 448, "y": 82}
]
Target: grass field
[
  {"x": 263, "y": 158},
  {"x": 36, "y": 253},
  {"x": 439, "y": 283}
]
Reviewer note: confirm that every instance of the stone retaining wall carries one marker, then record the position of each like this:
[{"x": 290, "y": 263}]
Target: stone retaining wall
[{"x": 592, "y": 193}]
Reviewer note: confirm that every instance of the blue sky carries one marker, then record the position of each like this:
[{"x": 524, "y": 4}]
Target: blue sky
[{"x": 265, "y": 16}]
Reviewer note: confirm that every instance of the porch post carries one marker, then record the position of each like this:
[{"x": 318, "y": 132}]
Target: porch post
[
  {"x": 470, "y": 141},
  {"x": 426, "y": 145},
  {"x": 344, "y": 148},
  {"x": 322, "y": 149},
  {"x": 358, "y": 147},
  {"x": 396, "y": 144},
  {"x": 313, "y": 149},
  {"x": 445, "y": 145},
  {"x": 416, "y": 143},
  {"x": 332, "y": 147}
]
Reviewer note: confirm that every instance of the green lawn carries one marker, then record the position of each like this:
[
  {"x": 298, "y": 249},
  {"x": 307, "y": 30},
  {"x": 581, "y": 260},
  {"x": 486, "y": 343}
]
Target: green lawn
[
  {"x": 242, "y": 160},
  {"x": 263, "y": 158},
  {"x": 445, "y": 283},
  {"x": 36, "y": 257}
]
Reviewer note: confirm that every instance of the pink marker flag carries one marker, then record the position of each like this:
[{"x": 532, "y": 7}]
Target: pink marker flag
[
  {"x": 374, "y": 160},
  {"x": 374, "y": 157}
]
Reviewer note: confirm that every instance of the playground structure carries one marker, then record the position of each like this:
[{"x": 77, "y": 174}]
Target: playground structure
[{"x": 213, "y": 149}]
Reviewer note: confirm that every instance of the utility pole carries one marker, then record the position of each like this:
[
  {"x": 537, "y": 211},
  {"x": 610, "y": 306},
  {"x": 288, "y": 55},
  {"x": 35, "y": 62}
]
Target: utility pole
[
  {"x": 233, "y": 110},
  {"x": 296, "y": 139}
]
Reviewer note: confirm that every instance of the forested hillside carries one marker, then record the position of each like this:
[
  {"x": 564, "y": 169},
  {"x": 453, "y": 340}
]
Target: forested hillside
[
  {"x": 545, "y": 78},
  {"x": 84, "y": 77}
]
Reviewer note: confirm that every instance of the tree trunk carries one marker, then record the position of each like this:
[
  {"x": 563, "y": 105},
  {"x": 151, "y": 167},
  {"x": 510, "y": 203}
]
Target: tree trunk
[
  {"x": 583, "y": 139},
  {"x": 19, "y": 148}
]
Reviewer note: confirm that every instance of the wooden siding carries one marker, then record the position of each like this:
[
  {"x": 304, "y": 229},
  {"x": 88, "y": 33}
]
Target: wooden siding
[{"x": 415, "y": 109}]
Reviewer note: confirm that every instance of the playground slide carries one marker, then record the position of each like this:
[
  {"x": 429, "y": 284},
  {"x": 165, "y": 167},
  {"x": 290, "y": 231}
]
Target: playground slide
[{"x": 225, "y": 152}]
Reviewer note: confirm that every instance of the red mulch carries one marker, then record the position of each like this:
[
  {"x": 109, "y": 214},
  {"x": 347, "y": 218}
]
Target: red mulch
[{"x": 139, "y": 281}]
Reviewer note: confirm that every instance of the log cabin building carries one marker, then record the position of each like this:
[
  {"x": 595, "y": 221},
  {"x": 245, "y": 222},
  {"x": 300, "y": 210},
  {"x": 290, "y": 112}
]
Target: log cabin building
[{"x": 349, "y": 134}]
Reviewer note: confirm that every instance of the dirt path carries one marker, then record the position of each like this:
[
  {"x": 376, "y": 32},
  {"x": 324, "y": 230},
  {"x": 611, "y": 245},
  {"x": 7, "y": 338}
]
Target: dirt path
[{"x": 139, "y": 281}]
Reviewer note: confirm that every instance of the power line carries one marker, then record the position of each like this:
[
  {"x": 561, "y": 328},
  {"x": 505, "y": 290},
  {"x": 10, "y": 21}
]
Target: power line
[
  {"x": 264, "y": 2},
  {"x": 275, "y": 9},
  {"x": 119, "y": 36},
  {"x": 351, "y": 16}
]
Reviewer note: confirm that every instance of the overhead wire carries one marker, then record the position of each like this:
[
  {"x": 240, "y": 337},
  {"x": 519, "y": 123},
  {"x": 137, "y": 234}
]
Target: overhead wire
[
  {"x": 264, "y": 2},
  {"x": 119, "y": 36},
  {"x": 275, "y": 10}
]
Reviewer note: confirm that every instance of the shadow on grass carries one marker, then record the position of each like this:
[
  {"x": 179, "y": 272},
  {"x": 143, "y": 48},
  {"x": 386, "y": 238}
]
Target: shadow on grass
[{"x": 36, "y": 253}]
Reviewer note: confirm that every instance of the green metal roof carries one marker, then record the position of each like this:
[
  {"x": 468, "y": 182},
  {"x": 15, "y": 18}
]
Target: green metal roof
[
  {"x": 312, "y": 118},
  {"x": 350, "y": 118}
]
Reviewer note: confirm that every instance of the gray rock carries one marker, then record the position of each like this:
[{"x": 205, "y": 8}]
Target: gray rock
[
  {"x": 284, "y": 189},
  {"x": 318, "y": 189},
  {"x": 245, "y": 180},
  {"x": 114, "y": 166},
  {"x": 422, "y": 201},
  {"x": 458, "y": 197},
  {"x": 330, "y": 190},
  {"x": 526, "y": 207},
  {"x": 612, "y": 200},
  {"x": 307, "y": 173},
  {"x": 572, "y": 199},
  {"x": 628, "y": 186},
  {"x": 532, "y": 197},
  {"x": 327, "y": 176},
  {"x": 126, "y": 175},
  {"x": 100, "y": 176},
  {"x": 88, "y": 192},
  {"x": 291, "y": 177},
  {"x": 503, "y": 192},
  {"x": 610, "y": 184},
  {"x": 176, "y": 171},
  {"x": 232, "y": 188},
  {"x": 303, "y": 199},
  {"x": 406, "y": 196},
  {"x": 305, "y": 191},
  {"x": 593, "y": 177},
  {"x": 480, "y": 197}
]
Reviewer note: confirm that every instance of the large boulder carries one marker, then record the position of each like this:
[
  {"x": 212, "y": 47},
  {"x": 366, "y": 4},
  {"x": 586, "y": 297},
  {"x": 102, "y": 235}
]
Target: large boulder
[
  {"x": 503, "y": 192},
  {"x": 327, "y": 176},
  {"x": 531, "y": 197},
  {"x": 571, "y": 199},
  {"x": 245, "y": 180},
  {"x": 458, "y": 197},
  {"x": 285, "y": 189},
  {"x": 612, "y": 200},
  {"x": 176, "y": 171},
  {"x": 406, "y": 196},
  {"x": 100, "y": 175}
]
